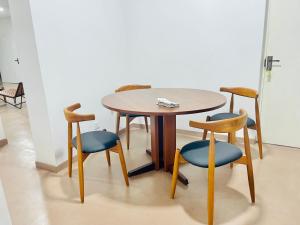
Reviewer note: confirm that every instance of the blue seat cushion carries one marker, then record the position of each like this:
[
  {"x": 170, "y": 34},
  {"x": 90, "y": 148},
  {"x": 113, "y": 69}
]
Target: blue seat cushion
[
  {"x": 222, "y": 116},
  {"x": 131, "y": 115},
  {"x": 196, "y": 153},
  {"x": 96, "y": 141}
]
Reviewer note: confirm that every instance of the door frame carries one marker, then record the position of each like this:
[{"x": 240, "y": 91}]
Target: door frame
[
  {"x": 264, "y": 51},
  {"x": 264, "y": 54}
]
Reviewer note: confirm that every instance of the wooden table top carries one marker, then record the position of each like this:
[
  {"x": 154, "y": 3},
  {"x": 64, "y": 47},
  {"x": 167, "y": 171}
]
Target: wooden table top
[{"x": 144, "y": 101}]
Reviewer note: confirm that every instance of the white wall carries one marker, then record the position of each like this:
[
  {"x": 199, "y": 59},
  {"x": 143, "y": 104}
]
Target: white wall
[
  {"x": 29, "y": 72},
  {"x": 87, "y": 49},
  {"x": 79, "y": 48},
  {"x": 7, "y": 51},
  {"x": 197, "y": 44}
]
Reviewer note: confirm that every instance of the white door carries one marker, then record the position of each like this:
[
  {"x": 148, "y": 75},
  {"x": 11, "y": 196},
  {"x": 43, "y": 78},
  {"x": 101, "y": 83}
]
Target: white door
[
  {"x": 7, "y": 51},
  {"x": 280, "y": 94}
]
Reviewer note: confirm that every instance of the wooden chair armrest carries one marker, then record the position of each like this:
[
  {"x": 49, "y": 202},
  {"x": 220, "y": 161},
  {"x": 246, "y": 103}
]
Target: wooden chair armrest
[
  {"x": 75, "y": 117},
  {"x": 73, "y": 107},
  {"x": 86, "y": 117}
]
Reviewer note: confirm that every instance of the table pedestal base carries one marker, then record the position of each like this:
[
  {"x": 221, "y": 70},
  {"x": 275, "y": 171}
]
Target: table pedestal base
[
  {"x": 151, "y": 166},
  {"x": 142, "y": 169}
]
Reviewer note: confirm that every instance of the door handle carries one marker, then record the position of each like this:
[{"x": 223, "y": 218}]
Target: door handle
[
  {"x": 269, "y": 62},
  {"x": 17, "y": 60}
]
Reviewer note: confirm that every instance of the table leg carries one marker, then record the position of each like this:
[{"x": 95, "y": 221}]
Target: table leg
[
  {"x": 182, "y": 178},
  {"x": 169, "y": 141},
  {"x": 157, "y": 140},
  {"x": 156, "y": 148},
  {"x": 163, "y": 147}
]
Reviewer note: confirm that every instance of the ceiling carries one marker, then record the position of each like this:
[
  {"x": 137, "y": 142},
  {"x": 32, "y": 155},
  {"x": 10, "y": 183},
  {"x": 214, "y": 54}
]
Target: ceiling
[{"x": 4, "y": 4}]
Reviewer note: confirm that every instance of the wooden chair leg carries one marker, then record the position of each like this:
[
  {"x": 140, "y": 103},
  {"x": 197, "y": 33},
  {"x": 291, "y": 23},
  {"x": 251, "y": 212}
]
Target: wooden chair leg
[
  {"x": 81, "y": 176},
  {"x": 146, "y": 123},
  {"x": 249, "y": 165},
  {"x": 259, "y": 140},
  {"x": 108, "y": 157},
  {"x": 204, "y": 135},
  {"x": 70, "y": 157},
  {"x": 118, "y": 123},
  {"x": 251, "y": 181},
  {"x": 230, "y": 140},
  {"x": 175, "y": 173},
  {"x": 123, "y": 163},
  {"x": 81, "y": 157},
  {"x": 70, "y": 149},
  {"x": 211, "y": 181},
  {"x": 210, "y": 202},
  {"x": 127, "y": 130},
  {"x": 205, "y": 131}
]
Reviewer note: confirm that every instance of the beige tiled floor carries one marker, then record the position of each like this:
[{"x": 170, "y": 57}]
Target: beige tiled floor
[{"x": 37, "y": 197}]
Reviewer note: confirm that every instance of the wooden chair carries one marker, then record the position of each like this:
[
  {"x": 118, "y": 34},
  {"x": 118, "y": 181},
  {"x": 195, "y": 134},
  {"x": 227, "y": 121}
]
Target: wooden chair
[
  {"x": 251, "y": 124},
  {"x": 130, "y": 117},
  {"x": 90, "y": 142},
  {"x": 14, "y": 94},
  {"x": 212, "y": 153}
]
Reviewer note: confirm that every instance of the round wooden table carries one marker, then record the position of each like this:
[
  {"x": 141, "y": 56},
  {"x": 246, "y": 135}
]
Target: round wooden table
[{"x": 163, "y": 120}]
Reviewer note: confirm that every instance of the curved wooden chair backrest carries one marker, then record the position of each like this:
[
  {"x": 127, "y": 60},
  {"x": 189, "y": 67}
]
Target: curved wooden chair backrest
[
  {"x": 223, "y": 126},
  {"x": 242, "y": 91},
  {"x": 132, "y": 87},
  {"x": 73, "y": 117},
  {"x": 245, "y": 92}
]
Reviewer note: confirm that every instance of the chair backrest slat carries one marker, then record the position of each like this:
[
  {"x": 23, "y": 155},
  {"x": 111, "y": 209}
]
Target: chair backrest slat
[
  {"x": 223, "y": 126},
  {"x": 132, "y": 87}
]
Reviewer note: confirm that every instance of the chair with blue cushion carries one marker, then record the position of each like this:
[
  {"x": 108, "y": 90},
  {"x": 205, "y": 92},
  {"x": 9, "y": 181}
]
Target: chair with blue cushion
[
  {"x": 212, "y": 153},
  {"x": 90, "y": 142},
  {"x": 251, "y": 124},
  {"x": 130, "y": 117}
]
